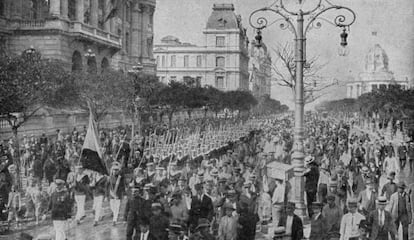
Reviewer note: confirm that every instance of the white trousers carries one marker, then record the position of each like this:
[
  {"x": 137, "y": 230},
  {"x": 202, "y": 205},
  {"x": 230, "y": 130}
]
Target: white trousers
[
  {"x": 276, "y": 213},
  {"x": 97, "y": 202},
  {"x": 80, "y": 206},
  {"x": 60, "y": 229},
  {"x": 115, "y": 204}
]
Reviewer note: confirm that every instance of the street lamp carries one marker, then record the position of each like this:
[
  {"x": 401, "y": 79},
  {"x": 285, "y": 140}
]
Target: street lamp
[
  {"x": 89, "y": 54},
  {"x": 313, "y": 21}
]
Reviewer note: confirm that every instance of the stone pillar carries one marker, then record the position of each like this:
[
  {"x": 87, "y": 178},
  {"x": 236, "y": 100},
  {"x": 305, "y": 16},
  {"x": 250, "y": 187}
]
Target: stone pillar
[
  {"x": 136, "y": 31},
  {"x": 80, "y": 5},
  {"x": 106, "y": 11},
  {"x": 144, "y": 30},
  {"x": 54, "y": 8},
  {"x": 124, "y": 30},
  {"x": 64, "y": 8},
  {"x": 112, "y": 25},
  {"x": 94, "y": 13}
]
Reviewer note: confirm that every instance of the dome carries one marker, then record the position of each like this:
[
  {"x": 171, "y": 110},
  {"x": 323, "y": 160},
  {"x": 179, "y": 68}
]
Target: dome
[
  {"x": 376, "y": 59},
  {"x": 170, "y": 40},
  {"x": 223, "y": 17}
]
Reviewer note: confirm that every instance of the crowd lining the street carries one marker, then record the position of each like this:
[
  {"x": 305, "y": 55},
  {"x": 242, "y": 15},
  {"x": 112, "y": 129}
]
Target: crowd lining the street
[{"x": 209, "y": 180}]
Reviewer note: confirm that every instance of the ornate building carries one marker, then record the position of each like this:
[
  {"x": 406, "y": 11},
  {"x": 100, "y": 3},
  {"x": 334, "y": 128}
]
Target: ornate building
[
  {"x": 376, "y": 74},
  {"x": 260, "y": 70},
  {"x": 221, "y": 62},
  {"x": 84, "y": 34}
]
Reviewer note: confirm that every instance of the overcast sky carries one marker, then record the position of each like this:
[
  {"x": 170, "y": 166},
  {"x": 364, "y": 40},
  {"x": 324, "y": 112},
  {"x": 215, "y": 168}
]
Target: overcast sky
[{"x": 391, "y": 19}]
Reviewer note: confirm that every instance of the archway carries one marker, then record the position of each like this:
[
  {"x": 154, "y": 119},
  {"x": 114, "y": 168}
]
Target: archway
[
  {"x": 76, "y": 62},
  {"x": 92, "y": 65},
  {"x": 104, "y": 64}
]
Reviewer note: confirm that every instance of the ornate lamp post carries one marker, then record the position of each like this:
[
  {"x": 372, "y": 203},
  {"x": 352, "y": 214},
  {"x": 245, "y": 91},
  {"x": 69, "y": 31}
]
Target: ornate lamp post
[{"x": 305, "y": 21}]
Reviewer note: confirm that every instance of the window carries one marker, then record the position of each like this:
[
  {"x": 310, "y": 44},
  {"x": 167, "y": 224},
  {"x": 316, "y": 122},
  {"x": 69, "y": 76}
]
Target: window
[
  {"x": 173, "y": 78},
  {"x": 220, "y": 41},
  {"x": 158, "y": 60},
  {"x": 198, "y": 81},
  {"x": 127, "y": 42},
  {"x": 220, "y": 82},
  {"x": 383, "y": 86},
  {"x": 186, "y": 61},
  {"x": 198, "y": 61},
  {"x": 374, "y": 87},
  {"x": 173, "y": 60},
  {"x": 220, "y": 62},
  {"x": 163, "y": 61}
]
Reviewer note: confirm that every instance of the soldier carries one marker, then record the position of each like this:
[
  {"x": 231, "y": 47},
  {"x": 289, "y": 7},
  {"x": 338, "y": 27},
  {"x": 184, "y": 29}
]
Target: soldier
[
  {"x": 158, "y": 222},
  {"x": 202, "y": 231},
  {"x": 80, "y": 189},
  {"x": 100, "y": 190},
  {"x": 133, "y": 210},
  {"x": 116, "y": 190},
  {"x": 60, "y": 206}
]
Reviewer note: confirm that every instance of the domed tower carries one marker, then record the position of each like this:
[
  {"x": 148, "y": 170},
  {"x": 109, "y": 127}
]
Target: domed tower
[
  {"x": 227, "y": 44},
  {"x": 376, "y": 73}
]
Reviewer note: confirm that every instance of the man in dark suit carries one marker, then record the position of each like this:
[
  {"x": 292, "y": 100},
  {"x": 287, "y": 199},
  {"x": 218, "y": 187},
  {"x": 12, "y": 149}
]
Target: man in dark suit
[
  {"x": 144, "y": 228},
  {"x": 381, "y": 222},
  {"x": 291, "y": 222},
  {"x": 201, "y": 207}
]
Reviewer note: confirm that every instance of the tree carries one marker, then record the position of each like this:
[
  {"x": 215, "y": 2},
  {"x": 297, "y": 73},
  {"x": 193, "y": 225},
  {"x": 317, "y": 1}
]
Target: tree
[
  {"x": 215, "y": 99},
  {"x": 103, "y": 92},
  {"x": 239, "y": 100},
  {"x": 173, "y": 98},
  {"x": 28, "y": 83},
  {"x": 268, "y": 105},
  {"x": 284, "y": 69}
]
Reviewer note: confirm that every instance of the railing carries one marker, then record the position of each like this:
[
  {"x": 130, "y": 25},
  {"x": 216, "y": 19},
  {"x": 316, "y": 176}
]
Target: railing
[
  {"x": 94, "y": 32},
  {"x": 27, "y": 24},
  {"x": 87, "y": 28}
]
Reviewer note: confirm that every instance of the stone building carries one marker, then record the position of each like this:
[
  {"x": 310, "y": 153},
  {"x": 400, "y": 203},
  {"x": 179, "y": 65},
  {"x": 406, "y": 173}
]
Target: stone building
[
  {"x": 84, "y": 34},
  {"x": 376, "y": 74},
  {"x": 260, "y": 70},
  {"x": 221, "y": 62}
]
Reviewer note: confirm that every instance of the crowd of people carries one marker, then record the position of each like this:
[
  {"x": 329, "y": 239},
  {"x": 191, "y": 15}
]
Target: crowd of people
[{"x": 210, "y": 180}]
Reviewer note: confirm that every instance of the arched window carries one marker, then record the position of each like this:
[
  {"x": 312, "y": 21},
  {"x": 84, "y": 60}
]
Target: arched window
[
  {"x": 92, "y": 65},
  {"x": 76, "y": 62},
  {"x": 220, "y": 62},
  {"x": 104, "y": 64}
]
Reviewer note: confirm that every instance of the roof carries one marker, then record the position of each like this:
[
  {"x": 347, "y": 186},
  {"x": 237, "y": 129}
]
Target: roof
[{"x": 223, "y": 17}]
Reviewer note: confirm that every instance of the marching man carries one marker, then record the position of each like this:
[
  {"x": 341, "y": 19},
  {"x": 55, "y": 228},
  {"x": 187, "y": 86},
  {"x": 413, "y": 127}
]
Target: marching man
[
  {"x": 80, "y": 191},
  {"x": 116, "y": 190},
  {"x": 60, "y": 206},
  {"x": 100, "y": 186}
]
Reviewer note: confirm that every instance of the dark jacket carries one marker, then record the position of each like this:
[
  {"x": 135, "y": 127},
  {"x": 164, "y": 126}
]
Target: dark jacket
[
  {"x": 158, "y": 227},
  {"x": 318, "y": 228},
  {"x": 297, "y": 226},
  {"x": 60, "y": 205},
  {"x": 133, "y": 209},
  {"x": 312, "y": 177},
  {"x": 201, "y": 209},
  {"x": 378, "y": 232}
]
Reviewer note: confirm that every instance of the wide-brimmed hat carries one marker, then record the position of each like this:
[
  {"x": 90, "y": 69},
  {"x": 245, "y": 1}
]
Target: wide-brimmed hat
[
  {"x": 156, "y": 205},
  {"x": 352, "y": 202},
  {"x": 59, "y": 181},
  {"x": 391, "y": 175},
  {"x": 175, "y": 227},
  {"x": 309, "y": 159},
  {"x": 382, "y": 200},
  {"x": 317, "y": 205},
  {"x": 279, "y": 231},
  {"x": 401, "y": 185},
  {"x": 228, "y": 206},
  {"x": 203, "y": 222}
]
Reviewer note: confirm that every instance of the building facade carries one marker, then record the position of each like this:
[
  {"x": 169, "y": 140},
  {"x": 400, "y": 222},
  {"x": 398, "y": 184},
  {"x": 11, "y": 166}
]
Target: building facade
[
  {"x": 84, "y": 34},
  {"x": 376, "y": 74},
  {"x": 222, "y": 61},
  {"x": 260, "y": 70}
]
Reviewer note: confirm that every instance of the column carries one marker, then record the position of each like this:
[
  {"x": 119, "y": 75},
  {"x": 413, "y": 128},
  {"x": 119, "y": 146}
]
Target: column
[
  {"x": 136, "y": 31},
  {"x": 80, "y": 10},
  {"x": 106, "y": 11},
  {"x": 64, "y": 8},
  {"x": 16, "y": 9},
  {"x": 112, "y": 26},
  {"x": 54, "y": 8},
  {"x": 144, "y": 30},
  {"x": 94, "y": 13}
]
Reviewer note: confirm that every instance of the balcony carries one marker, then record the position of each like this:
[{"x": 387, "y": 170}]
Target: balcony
[
  {"x": 76, "y": 29},
  {"x": 94, "y": 34}
]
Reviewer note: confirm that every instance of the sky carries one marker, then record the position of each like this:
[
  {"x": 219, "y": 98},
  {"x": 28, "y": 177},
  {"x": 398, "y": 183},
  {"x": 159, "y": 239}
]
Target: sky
[{"x": 392, "y": 20}]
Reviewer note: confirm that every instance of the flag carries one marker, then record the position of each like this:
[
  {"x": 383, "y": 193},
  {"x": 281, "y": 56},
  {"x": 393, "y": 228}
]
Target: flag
[
  {"x": 91, "y": 156},
  {"x": 115, "y": 9}
]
